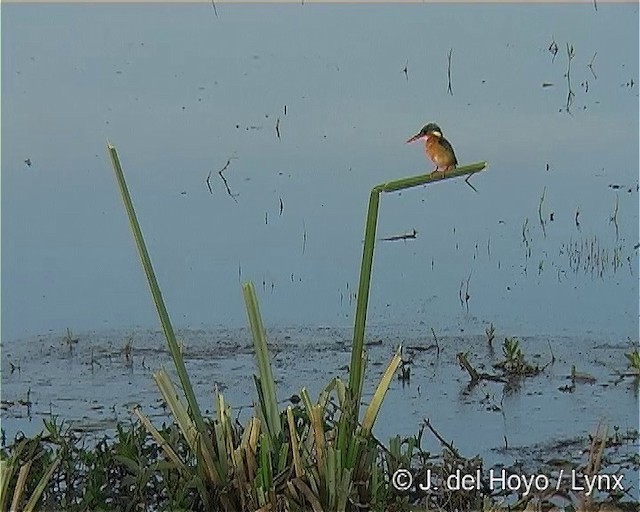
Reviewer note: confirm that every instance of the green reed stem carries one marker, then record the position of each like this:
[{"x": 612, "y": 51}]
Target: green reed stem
[
  {"x": 269, "y": 401},
  {"x": 356, "y": 370},
  {"x": 158, "y": 300}
]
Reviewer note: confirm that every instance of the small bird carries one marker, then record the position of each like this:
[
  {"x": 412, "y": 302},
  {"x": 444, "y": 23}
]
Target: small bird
[{"x": 437, "y": 148}]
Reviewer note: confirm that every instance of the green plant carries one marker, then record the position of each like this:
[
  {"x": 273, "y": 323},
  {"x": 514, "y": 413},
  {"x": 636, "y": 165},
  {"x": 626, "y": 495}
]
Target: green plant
[
  {"x": 245, "y": 472},
  {"x": 334, "y": 463},
  {"x": 634, "y": 360},
  {"x": 514, "y": 363},
  {"x": 511, "y": 350},
  {"x": 491, "y": 333}
]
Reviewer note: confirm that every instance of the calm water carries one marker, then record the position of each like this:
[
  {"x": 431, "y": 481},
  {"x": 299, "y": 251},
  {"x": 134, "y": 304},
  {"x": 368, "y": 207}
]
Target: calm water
[{"x": 180, "y": 92}]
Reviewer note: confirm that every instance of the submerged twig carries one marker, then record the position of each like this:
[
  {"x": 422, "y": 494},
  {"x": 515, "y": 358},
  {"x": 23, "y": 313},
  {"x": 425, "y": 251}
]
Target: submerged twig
[
  {"x": 224, "y": 180},
  {"x": 215, "y": 10},
  {"x": 473, "y": 373},
  {"x": 304, "y": 237},
  {"x": 570, "y": 95},
  {"x": 278, "y": 128},
  {"x": 553, "y": 49},
  {"x": 411, "y": 235},
  {"x": 466, "y": 292},
  {"x": 449, "y": 89},
  {"x": 209, "y": 182},
  {"x": 614, "y": 218},
  {"x": 590, "y": 65},
  {"x": 444, "y": 443},
  {"x": 525, "y": 227},
  {"x": 466, "y": 180},
  {"x": 435, "y": 338},
  {"x": 542, "y": 221}
]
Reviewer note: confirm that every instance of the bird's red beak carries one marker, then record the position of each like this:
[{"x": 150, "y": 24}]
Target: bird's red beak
[{"x": 414, "y": 138}]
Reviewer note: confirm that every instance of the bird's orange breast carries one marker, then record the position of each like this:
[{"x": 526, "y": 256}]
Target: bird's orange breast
[{"x": 438, "y": 153}]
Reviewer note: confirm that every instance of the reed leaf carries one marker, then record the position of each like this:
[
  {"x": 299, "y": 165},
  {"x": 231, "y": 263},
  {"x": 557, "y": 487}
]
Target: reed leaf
[
  {"x": 295, "y": 450},
  {"x": 308, "y": 494},
  {"x": 162, "y": 442},
  {"x": 376, "y": 401},
  {"x": 344, "y": 490},
  {"x": 163, "y": 314},
  {"x": 268, "y": 399},
  {"x": 6, "y": 470},
  {"x": 189, "y": 429},
  {"x": 42, "y": 484},
  {"x": 20, "y": 484},
  {"x": 266, "y": 472}
]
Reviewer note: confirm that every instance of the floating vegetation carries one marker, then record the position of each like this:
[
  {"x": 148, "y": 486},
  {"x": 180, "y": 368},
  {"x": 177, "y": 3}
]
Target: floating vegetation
[
  {"x": 634, "y": 360},
  {"x": 514, "y": 363}
]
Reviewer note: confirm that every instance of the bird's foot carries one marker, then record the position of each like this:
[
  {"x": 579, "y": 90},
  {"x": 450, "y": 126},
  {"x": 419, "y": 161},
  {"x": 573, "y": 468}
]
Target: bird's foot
[{"x": 440, "y": 171}]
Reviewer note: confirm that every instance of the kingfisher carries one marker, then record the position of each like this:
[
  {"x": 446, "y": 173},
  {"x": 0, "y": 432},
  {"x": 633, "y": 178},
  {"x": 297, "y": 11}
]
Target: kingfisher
[{"x": 437, "y": 148}]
